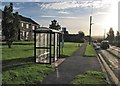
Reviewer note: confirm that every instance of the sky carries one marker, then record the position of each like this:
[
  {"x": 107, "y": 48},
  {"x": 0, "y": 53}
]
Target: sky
[{"x": 72, "y": 14}]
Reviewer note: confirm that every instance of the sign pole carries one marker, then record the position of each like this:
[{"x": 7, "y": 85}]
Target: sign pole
[{"x": 62, "y": 42}]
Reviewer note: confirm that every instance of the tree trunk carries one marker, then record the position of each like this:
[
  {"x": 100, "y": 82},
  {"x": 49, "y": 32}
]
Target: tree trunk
[{"x": 9, "y": 43}]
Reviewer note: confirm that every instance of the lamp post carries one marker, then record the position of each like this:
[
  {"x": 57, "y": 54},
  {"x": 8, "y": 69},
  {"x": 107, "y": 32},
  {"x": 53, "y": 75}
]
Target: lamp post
[
  {"x": 91, "y": 22},
  {"x": 90, "y": 29}
]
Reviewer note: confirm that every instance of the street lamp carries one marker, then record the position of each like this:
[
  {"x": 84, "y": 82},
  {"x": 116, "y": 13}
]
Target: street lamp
[
  {"x": 91, "y": 22},
  {"x": 90, "y": 29}
]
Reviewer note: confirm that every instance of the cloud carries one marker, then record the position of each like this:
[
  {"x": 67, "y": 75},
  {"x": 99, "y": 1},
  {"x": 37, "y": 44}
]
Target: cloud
[
  {"x": 16, "y": 8},
  {"x": 74, "y": 4},
  {"x": 95, "y": 4},
  {"x": 101, "y": 4},
  {"x": 2, "y": 7},
  {"x": 48, "y": 16},
  {"x": 60, "y": 5},
  {"x": 63, "y": 12},
  {"x": 101, "y": 13},
  {"x": 33, "y": 0},
  {"x": 21, "y": 0},
  {"x": 61, "y": 17},
  {"x": 20, "y": 3},
  {"x": 69, "y": 17}
]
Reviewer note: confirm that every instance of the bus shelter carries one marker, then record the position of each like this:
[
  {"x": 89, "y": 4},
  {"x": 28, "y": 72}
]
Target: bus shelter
[{"x": 46, "y": 45}]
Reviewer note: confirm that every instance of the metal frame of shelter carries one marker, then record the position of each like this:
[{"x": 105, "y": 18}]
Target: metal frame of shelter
[{"x": 46, "y": 45}]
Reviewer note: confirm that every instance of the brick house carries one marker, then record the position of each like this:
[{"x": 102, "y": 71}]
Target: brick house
[{"x": 27, "y": 25}]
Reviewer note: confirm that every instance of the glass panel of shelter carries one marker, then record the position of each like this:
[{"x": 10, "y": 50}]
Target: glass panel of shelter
[
  {"x": 42, "y": 47},
  {"x": 54, "y": 47}
]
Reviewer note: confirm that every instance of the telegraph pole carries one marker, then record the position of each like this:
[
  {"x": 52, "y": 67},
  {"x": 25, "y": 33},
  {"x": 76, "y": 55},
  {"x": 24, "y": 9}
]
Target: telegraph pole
[
  {"x": 90, "y": 38},
  {"x": 90, "y": 30}
]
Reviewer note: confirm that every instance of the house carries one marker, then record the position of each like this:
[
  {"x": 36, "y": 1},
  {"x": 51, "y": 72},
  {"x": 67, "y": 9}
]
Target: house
[{"x": 27, "y": 25}]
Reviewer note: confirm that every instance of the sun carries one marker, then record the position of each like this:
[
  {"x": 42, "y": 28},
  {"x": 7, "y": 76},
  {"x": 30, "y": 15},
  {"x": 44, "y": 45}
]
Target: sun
[{"x": 111, "y": 19}]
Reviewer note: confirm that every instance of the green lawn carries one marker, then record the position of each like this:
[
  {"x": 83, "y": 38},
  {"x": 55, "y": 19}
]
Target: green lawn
[
  {"x": 19, "y": 67},
  {"x": 90, "y": 51},
  {"x": 19, "y": 43},
  {"x": 27, "y": 73},
  {"x": 92, "y": 78},
  {"x": 70, "y": 48},
  {"x": 17, "y": 51}
]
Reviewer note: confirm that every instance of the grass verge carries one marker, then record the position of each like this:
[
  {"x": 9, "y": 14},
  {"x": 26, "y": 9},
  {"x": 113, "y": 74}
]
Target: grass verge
[
  {"x": 70, "y": 48},
  {"x": 92, "y": 78},
  {"x": 17, "y": 51},
  {"x": 18, "y": 65},
  {"x": 27, "y": 74},
  {"x": 90, "y": 52},
  {"x": 19, "y": 43}
]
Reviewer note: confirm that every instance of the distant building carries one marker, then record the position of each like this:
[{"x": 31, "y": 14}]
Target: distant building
[
  {"x": 71, "y": 37},
  {"x": 27, "y": 25},
  {"x": 64, "y": 30}
]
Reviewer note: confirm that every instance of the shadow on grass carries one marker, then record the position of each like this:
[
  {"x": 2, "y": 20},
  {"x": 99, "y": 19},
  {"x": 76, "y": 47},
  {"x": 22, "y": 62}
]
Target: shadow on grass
[
  {"x": 17, "y": 63},
  {"x": 28, "y": 49},
  {"x": 18, "y": 43},
  {"x": 64, "y": 56},
  {"x": 13, "y": 64}
]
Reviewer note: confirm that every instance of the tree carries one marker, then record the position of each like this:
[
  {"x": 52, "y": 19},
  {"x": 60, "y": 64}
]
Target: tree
[
  {"x": 118, "y": 38},
  {"x": 110, "y": 35},
  {"x": 10, "y": 24},
  {"x": 54, "y": 25},
  {"x": 17, "y": 26},
  {"x": 81, "y": 34},
  {"x": 118, "y": 34},
  {"x": 58, "y": 26}
]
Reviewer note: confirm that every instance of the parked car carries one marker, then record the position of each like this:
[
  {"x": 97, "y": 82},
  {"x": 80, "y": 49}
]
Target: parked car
[{"x": 105, "y": 44}]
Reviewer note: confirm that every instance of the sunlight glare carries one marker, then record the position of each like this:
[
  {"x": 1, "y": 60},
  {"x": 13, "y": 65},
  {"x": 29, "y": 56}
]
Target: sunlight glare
[{"x": 111, "y": 19}]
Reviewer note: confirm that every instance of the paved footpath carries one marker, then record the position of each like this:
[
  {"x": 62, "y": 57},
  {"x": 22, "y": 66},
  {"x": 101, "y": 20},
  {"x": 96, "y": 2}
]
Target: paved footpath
[{"x": 72, "y": 66}]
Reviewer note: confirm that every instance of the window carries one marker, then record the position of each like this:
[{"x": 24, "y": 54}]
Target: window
[
  {"x": 27, "y": 25},
  {"x": 22, "y": 24},
  {"x": 23, "y": 33},
  {"x": 27, "y": 34},
  {"x": 33, "y": 27}
]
